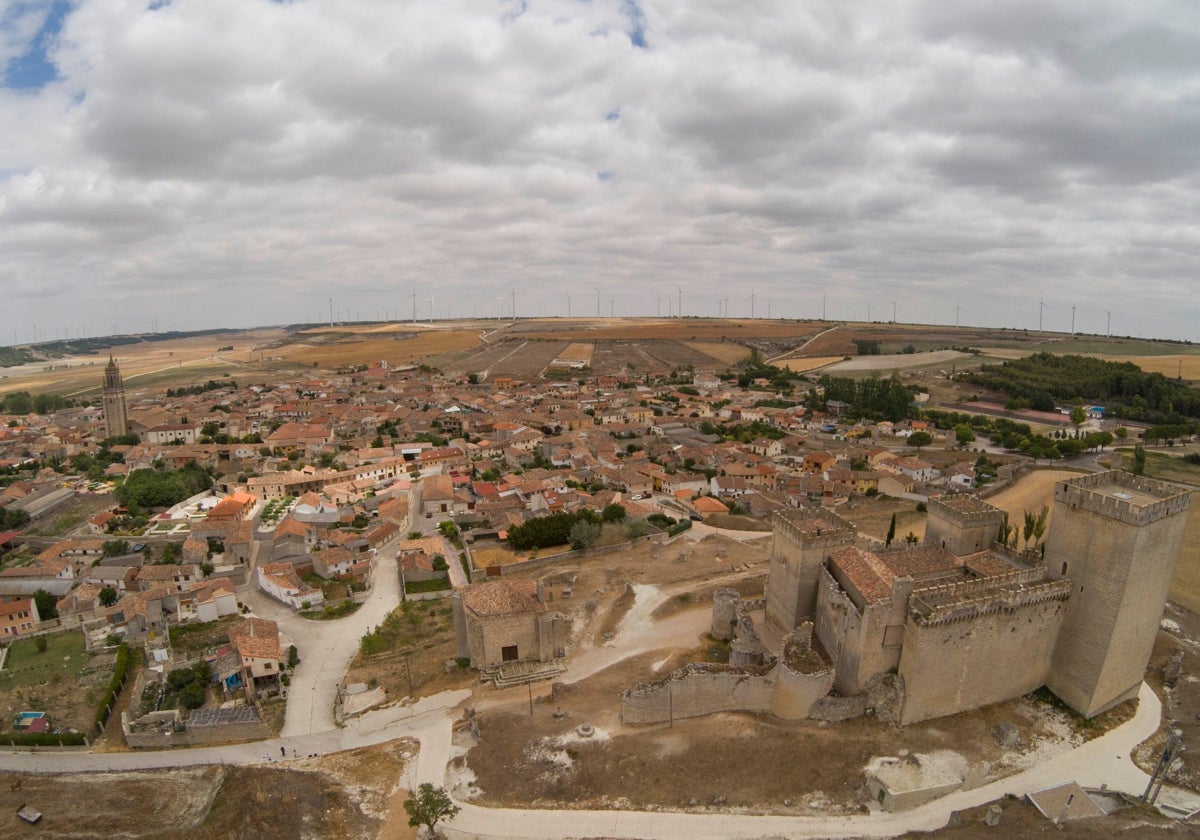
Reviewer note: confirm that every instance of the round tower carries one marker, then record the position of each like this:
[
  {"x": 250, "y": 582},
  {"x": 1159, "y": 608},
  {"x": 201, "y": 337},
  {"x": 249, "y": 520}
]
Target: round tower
[{"x": 724, "y": 614}]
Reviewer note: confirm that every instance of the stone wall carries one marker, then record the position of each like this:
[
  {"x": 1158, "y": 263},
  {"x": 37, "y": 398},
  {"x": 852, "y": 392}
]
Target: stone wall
[
  {"x": 697, "y": 690},
  {"x": 861, "y": 642},
  {"x": 978, "y": 658},
  {"x": 961, "y": 526}
]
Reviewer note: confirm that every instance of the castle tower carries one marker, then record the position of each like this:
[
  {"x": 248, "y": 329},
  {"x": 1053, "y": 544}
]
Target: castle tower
[
  {"x": 116, "y": 419},
  {"x": 802, "y": 541},
  {"x": 962, "y": 524},
  {"x": 1116, "y": 536}
]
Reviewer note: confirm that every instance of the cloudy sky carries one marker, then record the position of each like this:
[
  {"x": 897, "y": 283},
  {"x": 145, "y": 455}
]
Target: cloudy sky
[{"x": 197, "y": 163}]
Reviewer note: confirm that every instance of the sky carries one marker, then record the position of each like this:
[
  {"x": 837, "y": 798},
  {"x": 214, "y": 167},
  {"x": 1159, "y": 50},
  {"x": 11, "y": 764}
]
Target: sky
[{"x": 189, "y": 164}]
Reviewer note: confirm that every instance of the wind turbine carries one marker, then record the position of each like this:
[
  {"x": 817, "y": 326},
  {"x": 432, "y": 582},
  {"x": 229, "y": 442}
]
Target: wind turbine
[
  {"x": 413, "y": 295},
  {"x": 1108, "y": 326},
  {"x": 596, "y": 289},
  {"x": 893, "y": 312},
  {"x": 568, "y": 304},
  {"x": 679, "y": 309},
  {"x": 751, "y": 303},
  {"x": 514, "y": 301},
  {"x": 957, "y": 309},
  {"x": 1041, "y": 306},
  {"x": 431, "y": 300},
  {"x": 1072, "y": 320}
]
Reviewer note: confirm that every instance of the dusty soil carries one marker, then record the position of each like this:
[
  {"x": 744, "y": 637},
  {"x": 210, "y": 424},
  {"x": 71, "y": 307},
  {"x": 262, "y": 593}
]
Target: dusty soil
[
  {"x": 348, "y": 795},
  {"x": 1021, "y": 821},
  {"x": 898, "y": 361},
  {"x": 1181, "y": 703},
  {"x": 873, "y": 516},
  {"x": 732, "y": 760},
  {"x": 728, "y": 352},
  {"x": 404, "y": 345},
  {"x": 1029, "y": 493}
]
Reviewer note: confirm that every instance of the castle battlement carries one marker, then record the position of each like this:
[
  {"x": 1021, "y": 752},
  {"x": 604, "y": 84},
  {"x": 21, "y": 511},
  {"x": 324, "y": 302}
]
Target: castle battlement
[
  {"x": 1006, "y": 599},
  {"x": 965, "y": 509},
  {"x": 811, "y": 527},
  {"x": 1134, "y": 500}
]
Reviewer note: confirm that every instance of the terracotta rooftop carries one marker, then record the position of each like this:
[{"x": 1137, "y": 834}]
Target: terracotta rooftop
[
  {"x": 502, "y": 597},
  {"x": 874, "y": 574}
]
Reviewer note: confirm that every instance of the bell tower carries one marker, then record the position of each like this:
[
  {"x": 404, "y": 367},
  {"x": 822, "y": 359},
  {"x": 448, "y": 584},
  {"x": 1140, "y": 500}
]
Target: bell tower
[{"x": 116, "y": 420}]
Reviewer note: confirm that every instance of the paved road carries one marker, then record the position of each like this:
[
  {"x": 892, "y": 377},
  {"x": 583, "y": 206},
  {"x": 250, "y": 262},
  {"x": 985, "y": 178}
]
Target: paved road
[{"x": 326, "y": 647}]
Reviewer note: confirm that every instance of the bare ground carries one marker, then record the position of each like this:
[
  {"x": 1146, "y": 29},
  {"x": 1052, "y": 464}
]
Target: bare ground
[{"x": 348, "y": 795}]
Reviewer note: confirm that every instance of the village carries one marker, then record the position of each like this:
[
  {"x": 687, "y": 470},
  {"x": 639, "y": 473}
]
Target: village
[{"x": 263, "y": 563}]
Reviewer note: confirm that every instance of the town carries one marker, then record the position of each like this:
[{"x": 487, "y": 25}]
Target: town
[{"x": 274, "y": 568}]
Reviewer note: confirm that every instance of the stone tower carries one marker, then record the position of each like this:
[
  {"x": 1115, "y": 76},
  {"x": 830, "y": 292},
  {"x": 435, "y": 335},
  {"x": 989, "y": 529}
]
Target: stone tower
[
  {"x": 116, "y": 419},
  {"x": 1116, "y": 537},
  {"x": 963, "y": 524},
  {"x": 802, "y": 541}
]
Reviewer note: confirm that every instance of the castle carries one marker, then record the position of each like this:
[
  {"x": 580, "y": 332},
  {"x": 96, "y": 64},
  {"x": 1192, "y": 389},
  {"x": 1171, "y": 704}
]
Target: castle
[{"x": 960, "y": 621}]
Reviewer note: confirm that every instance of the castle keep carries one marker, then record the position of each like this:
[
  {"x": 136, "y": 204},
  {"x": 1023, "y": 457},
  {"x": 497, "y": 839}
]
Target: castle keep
[{"x": 962, "y": 621}]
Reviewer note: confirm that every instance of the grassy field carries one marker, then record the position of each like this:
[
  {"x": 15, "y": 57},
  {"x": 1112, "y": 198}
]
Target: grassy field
[
  {"x": 1186, "y": 366},
  {"x": 26, "y": 666}
]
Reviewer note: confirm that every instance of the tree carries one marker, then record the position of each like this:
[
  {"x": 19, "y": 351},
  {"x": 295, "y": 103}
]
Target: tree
[
  {"x": 115, "y": 548},
  {"x": 1078, "y": 416},
  {"x": 1122, "y": 433},
  {"x": 1139, "y": 460},
  {"x": 613, "y": 513},
  {"x": 41, "y": 643},
  {"x": 891, "y": 534},
  {"x": 583, "y": 535},
  {"x": 963, "y": 434},
  {"x": 919, "y": 439},
  {"x": 45, "y": 604},
  {"x": 108, "y": 596},
  {"x": 429, "y": 806}
]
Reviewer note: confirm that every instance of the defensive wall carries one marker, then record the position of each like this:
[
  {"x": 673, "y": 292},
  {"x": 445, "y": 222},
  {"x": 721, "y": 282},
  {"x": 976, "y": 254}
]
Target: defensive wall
[
  {"x": 971, "y": 644},
  {"x": 862, "y": 642}
]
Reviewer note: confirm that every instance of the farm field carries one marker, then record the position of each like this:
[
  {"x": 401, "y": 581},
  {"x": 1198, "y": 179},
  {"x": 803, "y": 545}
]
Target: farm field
[
  {"x": 803, "y": 365},
  {"x": 1186, "y": 366},
  {"x": 727, "y": 352},
  {"x": 396, "y": 348},
  {"x": 186, "y": 359},
  {"x": 898, "y": 361}
]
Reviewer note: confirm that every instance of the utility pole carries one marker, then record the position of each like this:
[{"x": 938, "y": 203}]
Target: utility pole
[
  {"x": 1072, "y": 320},
  {"x": 1108, "y": 325}
]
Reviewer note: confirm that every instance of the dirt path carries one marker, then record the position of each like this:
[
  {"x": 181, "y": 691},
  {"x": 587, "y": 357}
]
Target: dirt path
[{"x": 1029, "y": 493}]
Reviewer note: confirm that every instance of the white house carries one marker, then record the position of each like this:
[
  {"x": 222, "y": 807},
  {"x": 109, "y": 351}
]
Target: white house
[{"x": 280, "y": 581}]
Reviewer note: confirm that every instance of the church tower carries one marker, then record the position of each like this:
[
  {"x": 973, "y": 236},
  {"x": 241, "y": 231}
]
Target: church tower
[{"x": 116, "y": 420}]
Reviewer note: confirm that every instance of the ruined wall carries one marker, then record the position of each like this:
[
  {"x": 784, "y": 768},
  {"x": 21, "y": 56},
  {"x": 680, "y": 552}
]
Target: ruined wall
[
  {"x": 801, "y": 542},
  {"x": 1120, "y": 559},
  {"x": 724, "y": 613},
  {"x": 697, "y": 690},
  {"x": 974, "y": 660},
  {"x": 802, "y": 676}
]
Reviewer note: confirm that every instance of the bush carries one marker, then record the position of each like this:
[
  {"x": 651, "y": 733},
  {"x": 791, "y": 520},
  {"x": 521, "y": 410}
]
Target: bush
[{"x": 43, "y": 739}]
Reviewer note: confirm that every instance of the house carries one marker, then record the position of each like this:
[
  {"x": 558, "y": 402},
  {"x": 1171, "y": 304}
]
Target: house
[
  {"x": 256, "y": 641},
  {"x": 333, "y": 562},
  {"x": 280, "y": 581},
  {"x": 916, "y": 469},
  {"x": 18, "y": 618},
  {"x": 178, "y": 577},
  {"x": 214, "y": 599}
]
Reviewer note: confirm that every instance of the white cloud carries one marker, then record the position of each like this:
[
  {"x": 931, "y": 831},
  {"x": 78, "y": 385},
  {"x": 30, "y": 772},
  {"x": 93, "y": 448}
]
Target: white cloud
[{"x": 222, "y": 162}]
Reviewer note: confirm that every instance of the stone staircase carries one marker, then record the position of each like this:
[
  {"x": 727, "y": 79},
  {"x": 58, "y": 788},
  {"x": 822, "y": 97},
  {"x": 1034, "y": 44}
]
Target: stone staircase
[{"x": 508, "y": 674}]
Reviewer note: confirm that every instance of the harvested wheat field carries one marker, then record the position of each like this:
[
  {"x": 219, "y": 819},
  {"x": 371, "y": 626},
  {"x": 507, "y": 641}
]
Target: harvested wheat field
[
  {"x": 1185, "y": 365},
  {"x": 803, "y": 365},
  {"x": 332, "y": 350},
  {"x": 729, "y": 352}
]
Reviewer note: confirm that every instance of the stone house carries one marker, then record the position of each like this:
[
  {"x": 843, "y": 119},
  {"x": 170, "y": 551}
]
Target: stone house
[{"x": 507, "y": 621}]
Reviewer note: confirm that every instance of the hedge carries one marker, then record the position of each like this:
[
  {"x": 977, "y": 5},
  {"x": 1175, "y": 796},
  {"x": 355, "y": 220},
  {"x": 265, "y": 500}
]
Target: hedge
[
  {"x": 43, "y": 739},
  {"x": 120, "y": 669},
  {"x": 676, "y": 530}
]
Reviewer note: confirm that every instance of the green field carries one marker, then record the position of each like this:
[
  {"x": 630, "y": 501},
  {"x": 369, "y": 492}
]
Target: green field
[{"x": 26, "y": 666}]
